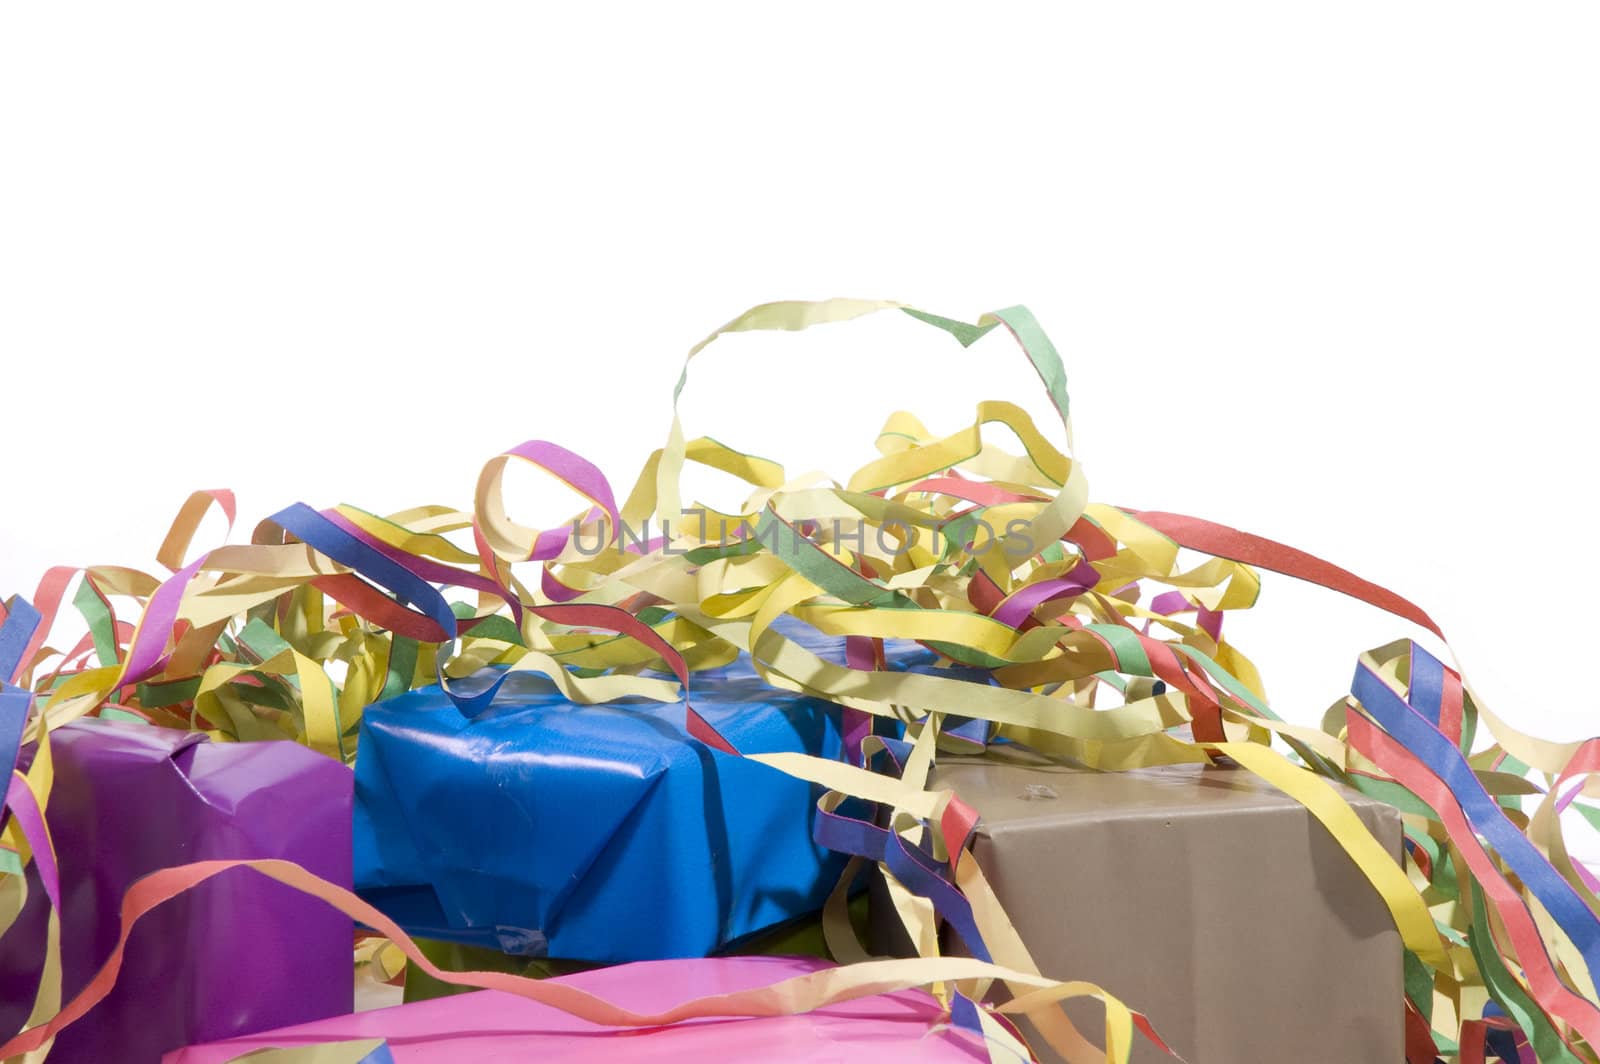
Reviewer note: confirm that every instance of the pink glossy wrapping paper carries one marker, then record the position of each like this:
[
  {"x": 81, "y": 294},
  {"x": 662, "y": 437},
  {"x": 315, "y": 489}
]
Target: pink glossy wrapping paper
[{"x": 492, "y": 1027}]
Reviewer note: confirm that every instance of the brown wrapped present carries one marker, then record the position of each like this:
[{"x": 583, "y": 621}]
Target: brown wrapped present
[{"x": 1199, "y": 895}]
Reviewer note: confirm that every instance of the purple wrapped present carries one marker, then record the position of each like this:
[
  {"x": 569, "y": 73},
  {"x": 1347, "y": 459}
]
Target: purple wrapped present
[{"x": 239, "y": 953}]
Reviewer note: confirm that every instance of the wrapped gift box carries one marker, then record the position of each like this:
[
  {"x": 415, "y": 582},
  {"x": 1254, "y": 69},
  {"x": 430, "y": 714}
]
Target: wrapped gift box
[
  {"x": 238, "y": 953},
  {"x": 596, "y": 833},
  {"x": 1201, "y": 896},
  {"x": 492, "y": 1026},
  {"x": 600, "y": 833}
]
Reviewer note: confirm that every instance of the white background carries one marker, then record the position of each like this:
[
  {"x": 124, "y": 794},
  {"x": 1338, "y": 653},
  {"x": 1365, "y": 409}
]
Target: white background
[{"x": 1324, "y": 272}]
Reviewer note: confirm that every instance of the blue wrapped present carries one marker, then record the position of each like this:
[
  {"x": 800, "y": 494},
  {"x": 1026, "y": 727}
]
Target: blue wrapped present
[{"x": 602, "y": 833}]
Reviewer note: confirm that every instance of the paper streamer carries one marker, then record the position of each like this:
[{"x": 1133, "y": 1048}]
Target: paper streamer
[{"x": 1069, "y": 626}]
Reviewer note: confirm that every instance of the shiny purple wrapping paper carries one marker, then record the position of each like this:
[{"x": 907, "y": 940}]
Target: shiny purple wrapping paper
[{"x": 237, "y": 954}]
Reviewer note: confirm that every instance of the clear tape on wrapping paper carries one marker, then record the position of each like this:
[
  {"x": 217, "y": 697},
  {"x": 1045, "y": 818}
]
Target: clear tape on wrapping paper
[{"x": 998, "y": 561}]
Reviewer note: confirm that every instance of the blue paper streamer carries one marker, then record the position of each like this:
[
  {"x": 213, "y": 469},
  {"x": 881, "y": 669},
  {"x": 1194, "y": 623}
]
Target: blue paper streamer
[
  {"x": 22, "y": 620},
  {"x": 1411, "y": 727}
]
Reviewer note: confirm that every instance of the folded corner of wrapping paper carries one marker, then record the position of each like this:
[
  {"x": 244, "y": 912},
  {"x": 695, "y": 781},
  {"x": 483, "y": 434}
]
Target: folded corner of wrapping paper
[{"x": 351, "y": 1051}]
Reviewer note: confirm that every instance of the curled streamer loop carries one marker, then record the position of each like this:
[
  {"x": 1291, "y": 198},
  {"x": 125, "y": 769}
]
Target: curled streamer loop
[{"x": 515, "y": 542}]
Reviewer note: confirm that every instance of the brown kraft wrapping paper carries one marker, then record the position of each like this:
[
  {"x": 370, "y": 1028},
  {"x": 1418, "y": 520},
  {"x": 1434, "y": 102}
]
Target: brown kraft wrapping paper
[{"x": 1200, "y": 896}]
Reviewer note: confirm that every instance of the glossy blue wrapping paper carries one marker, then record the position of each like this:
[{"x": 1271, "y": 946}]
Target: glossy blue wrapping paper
[{"x": 601, "y": 833}]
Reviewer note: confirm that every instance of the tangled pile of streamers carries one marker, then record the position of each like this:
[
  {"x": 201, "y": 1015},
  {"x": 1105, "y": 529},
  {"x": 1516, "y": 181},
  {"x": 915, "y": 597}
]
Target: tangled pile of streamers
[{"x": 1065, "y": 625}]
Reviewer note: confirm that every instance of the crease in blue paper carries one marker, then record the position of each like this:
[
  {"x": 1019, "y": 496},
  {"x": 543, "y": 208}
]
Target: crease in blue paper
[{"x": 599, "y": 833}]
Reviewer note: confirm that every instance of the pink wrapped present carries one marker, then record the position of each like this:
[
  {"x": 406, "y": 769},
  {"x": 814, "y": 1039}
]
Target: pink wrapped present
[{"x": 490, "y": 1026}]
